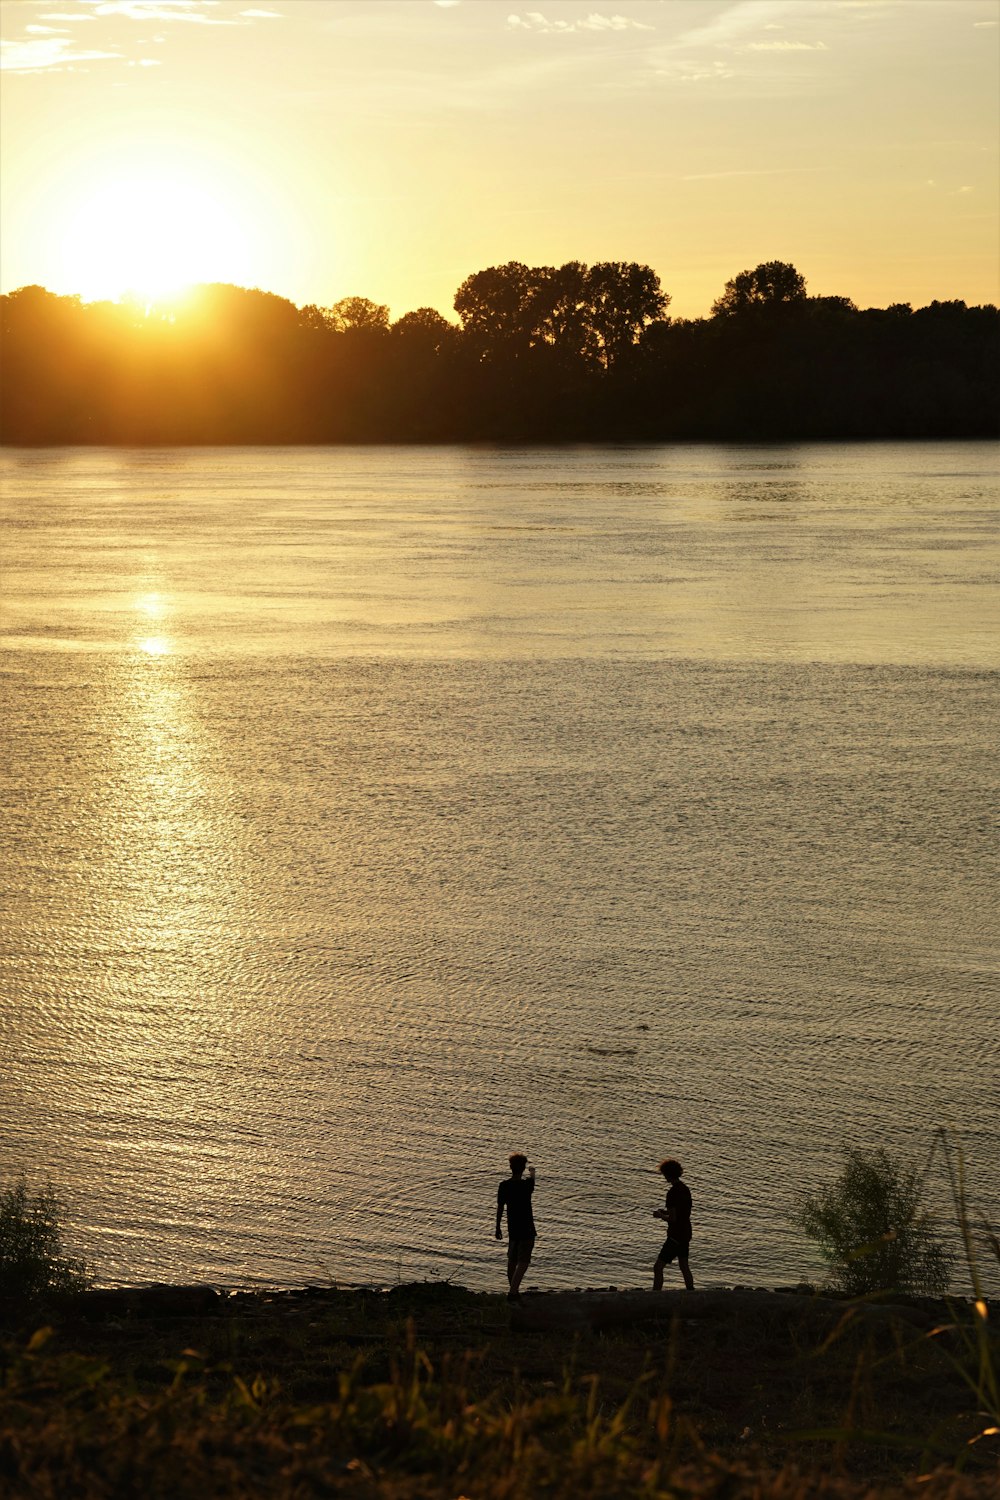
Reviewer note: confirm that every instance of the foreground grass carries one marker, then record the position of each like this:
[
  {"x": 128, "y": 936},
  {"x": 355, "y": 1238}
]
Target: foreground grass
[{"x": 427, "y": 1391}]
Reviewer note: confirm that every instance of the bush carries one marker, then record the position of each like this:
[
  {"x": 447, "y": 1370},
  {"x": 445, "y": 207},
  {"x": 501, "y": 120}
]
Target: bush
[
  {"x": 872, "y": 1230},
  {"x": 32, "y": 1260}
]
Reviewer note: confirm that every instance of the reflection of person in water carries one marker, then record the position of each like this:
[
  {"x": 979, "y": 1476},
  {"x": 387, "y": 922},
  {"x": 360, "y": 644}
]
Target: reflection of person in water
[
  {"x": 678, "y": 1216},
  {"x": 514, "y": 1194}
]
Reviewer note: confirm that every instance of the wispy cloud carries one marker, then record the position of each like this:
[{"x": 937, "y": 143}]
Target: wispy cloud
[
  {"x": 684, "y": 70},
  {"x": 749, "y": 172},
  {"x": 786, "y": 47},
  {"x": 197, "y": 11},
  {"x": 45, "y": 54},
  {"x": 49, "y": 48},
  {"x": 731, "y": 25},
  {"x": 595, "y": 22},
  {"x": 534, "y": 20}
]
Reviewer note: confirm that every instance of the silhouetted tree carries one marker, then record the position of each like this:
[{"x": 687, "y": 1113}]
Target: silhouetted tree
[
  {"x": 319, "y": 319},
  {"x": 562, "y": 312},
  {"x": 359, "y": 315},
  {"x": 772, "y": 282},
  {"x": 496, "y": 307},
  {"x": 589, "y": 315},
  {"x": 426, "y": 329},
  {"x": 623, "y": 298}
]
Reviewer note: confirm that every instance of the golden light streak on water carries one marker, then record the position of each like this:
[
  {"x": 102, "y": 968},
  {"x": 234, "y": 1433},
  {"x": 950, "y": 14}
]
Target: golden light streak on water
[{"x": 151, "y": 605}]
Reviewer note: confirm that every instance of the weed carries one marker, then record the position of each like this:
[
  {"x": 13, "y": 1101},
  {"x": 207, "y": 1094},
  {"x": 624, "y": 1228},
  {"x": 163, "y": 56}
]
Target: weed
[
  {"x": 32, "y": 1259},
  {"x": 872, "y": 1230}
]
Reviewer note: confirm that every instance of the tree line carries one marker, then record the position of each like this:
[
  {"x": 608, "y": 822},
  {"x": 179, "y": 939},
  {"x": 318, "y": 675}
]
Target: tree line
[{"x": 540, "y": 354}]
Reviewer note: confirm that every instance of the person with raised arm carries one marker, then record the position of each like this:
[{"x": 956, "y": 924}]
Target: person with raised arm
[{"x": 514, "y": 1195}]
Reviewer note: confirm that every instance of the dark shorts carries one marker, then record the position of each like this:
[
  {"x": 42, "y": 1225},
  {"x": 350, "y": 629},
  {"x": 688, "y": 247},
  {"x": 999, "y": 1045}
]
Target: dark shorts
[
  {"x": 519, "y": 1250},
  {"x": 672, "y": 1249}
]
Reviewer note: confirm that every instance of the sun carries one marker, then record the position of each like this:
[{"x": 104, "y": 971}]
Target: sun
[{"x": 151, "y": 231}]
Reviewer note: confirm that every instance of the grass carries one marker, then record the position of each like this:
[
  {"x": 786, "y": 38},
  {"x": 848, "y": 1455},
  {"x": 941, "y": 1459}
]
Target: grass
[{"x": 427, "y": 1391}]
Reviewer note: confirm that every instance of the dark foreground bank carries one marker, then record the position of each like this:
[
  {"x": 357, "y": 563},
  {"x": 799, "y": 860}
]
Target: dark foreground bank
[{"x": 431, "y": 1390}]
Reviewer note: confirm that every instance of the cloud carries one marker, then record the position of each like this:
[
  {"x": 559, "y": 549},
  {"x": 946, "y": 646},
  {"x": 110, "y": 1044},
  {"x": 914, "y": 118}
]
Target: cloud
[
  {"x": 986, "y": 23},
  {"x": 534, "y": 20},
  {"x": 749, "y": 172},
  {"x": 595, "y": 22},
  {"x": 785, "y": 47},
  {"x": 162, "y": 10},
  {"x": 77, "y": 16},
  {"x": 45, "y": 30},
  {"x": 447, "y": 4},
  {"x": 45, "y": 52},
  {"x": 682, "y": 70},
  {"x": 735, "y": 21},
  {"x": 262, "y": 15}
]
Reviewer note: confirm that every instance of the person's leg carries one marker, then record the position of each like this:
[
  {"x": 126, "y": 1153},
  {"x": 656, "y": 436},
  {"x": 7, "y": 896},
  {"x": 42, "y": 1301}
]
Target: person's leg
[
  {"x": 524, "y": 1261},
  {"x": 511, "y": 1261},
  {"x": 658, "y": 1276},
  {"x": 685, "y": 1270}
]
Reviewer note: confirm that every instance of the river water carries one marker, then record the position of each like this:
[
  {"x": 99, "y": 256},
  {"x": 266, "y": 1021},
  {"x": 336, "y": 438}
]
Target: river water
[{"x": 373, "y": 812}]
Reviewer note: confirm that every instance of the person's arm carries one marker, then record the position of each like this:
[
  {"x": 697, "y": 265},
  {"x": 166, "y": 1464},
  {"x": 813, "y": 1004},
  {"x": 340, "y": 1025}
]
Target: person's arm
[{"x": 500, "y": 1198}]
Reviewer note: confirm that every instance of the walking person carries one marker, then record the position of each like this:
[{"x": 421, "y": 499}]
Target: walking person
[
  {"x": 677, "y": 1214},
  {"x": 514, "y": 1195}
]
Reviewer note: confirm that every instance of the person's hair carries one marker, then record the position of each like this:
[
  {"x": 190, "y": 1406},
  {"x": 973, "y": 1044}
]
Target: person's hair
[
  {"x": 518, "y": 1162},
  {"x": 671, "y": 1168}
]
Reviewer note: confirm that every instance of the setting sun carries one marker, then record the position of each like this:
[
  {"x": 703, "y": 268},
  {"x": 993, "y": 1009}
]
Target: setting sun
[{"x": 150, "y": 231}]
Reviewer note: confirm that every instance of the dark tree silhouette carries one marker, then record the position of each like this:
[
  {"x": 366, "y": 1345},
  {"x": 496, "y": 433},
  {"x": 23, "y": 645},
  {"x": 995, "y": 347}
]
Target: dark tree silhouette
[
  {"x": 562, "y": 315},
  {"x": 590, "y": 315},
  {"x": 425, "y": 329},
  {"x": 359, "y": 315},
  {"x": 545, "y": 353},
  {"x": 771, "y": 283},
  {"x": 496, "y": 307},
  {"x": 624, "y": 298}
]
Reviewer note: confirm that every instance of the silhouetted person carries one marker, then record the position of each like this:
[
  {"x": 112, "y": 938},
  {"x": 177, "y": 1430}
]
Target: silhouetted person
[
  {"x": 678, "y": 1216},
  {"x": 514, "y": 1194}
]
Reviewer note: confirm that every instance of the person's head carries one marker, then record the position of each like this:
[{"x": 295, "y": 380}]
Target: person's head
[
  {"x": 518, "y": 1162},
  {"x": 671, "y": 1169}
]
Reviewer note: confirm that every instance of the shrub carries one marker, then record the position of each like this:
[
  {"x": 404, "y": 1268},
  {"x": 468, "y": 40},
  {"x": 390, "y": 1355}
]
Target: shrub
[
  {"x": 872, "y": 1230},
  {"x": 32, "y": 1259}
]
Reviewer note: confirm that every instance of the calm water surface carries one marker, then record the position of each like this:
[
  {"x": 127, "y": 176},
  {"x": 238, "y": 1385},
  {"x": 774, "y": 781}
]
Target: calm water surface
[{"x": 373, "y": 812}]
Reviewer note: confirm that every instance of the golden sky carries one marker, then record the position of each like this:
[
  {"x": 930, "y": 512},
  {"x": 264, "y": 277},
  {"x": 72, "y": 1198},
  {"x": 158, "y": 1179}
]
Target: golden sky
[{"x": 388, "y": 148}]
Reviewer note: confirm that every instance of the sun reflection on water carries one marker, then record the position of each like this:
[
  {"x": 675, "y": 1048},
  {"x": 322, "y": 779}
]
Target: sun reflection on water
[
  {"x": 151, "y": 605},
  {"x": 155, "y": 645}
]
